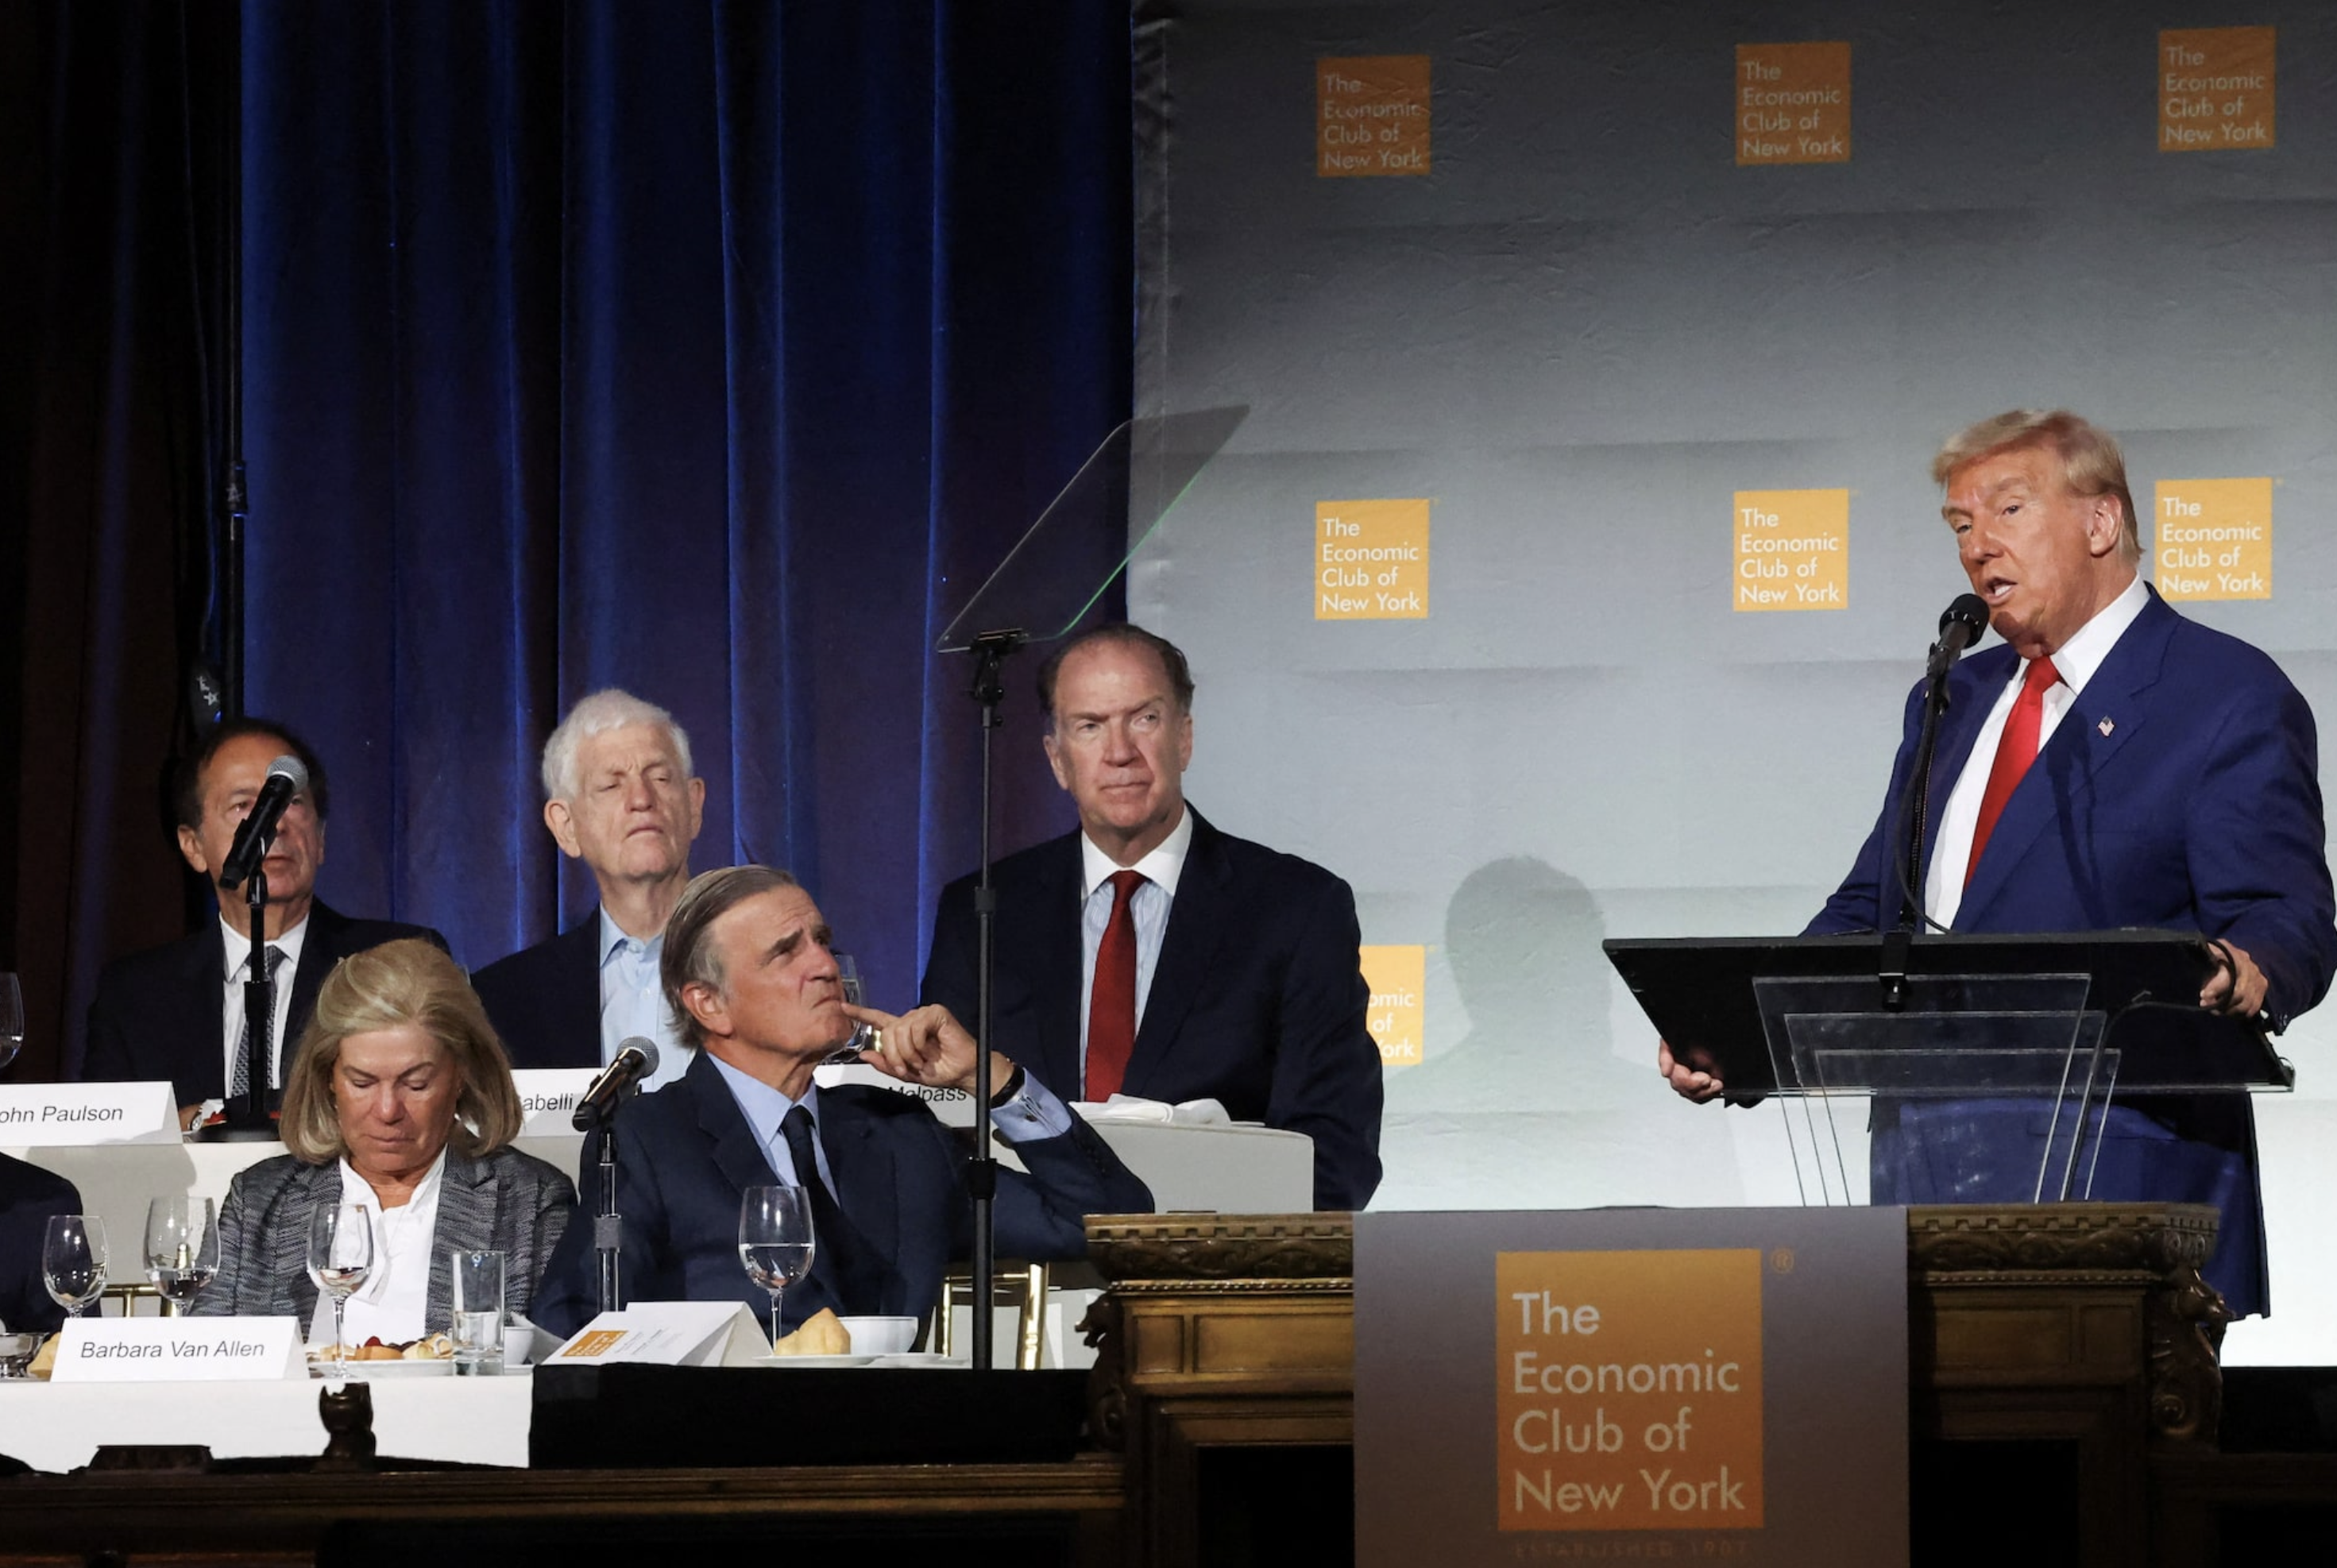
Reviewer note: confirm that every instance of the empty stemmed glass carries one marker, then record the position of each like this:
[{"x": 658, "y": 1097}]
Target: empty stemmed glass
[
  {"x": 182, "y": 1249},
  {"x": 73, "y": 1260},
  {"x": 341, "y": 1255},
  {"x": 775, "y": 1241},
  {"x": 864, "y": 1035}
]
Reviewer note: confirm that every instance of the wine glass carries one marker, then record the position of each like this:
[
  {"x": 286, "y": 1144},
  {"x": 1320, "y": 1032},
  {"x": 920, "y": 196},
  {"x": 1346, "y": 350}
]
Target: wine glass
[
  {"x": 864, "y": 1035},
  {"x": 73, "y": 1260},
  {"x": 182, "y": 1249},
  {"x": 12, "y": 1019},
  {"x": 775, "y": 1241},
  {"x": 341, "y": 1255}
]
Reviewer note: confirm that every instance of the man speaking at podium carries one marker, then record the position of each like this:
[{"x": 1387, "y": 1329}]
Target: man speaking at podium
[{"x": 2111, "y": 764}]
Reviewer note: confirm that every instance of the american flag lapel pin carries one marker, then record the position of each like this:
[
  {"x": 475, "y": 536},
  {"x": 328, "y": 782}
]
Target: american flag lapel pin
[{"x": 2105, "y": 727}]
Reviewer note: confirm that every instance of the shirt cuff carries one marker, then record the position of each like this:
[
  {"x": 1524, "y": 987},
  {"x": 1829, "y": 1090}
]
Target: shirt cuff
[{"x": 1033, "y": 1115}]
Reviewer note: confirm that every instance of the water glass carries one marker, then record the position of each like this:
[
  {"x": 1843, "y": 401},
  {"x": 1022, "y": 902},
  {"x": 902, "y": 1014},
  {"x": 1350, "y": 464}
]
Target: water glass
[
  {"x": 478, "y": 1281},
  {"x": 341, "y": 1255},
  {"x": 73, "y": 1260},
  {"x": 775, "y": 1241}
]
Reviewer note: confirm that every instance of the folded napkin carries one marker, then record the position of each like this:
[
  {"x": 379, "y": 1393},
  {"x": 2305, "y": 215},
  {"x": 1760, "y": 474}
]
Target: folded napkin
[{"x": 1129, "y": 1108}]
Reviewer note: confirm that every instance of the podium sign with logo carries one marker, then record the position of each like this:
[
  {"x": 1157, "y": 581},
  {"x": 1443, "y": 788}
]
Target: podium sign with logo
[{"x": 1639, "y": 1382}]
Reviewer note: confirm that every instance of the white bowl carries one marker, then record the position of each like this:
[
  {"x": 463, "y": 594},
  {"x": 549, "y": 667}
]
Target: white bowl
[{"x": 881, "y": 1335}]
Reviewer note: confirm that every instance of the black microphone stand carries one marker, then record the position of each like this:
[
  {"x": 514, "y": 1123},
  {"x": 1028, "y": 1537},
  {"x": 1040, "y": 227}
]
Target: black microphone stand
[
  {"x": 608, "y": 1225},
  {"x": 246, "y": 1120},
  {"x": 1907, "y": 854},
  {"x": 990, "y": 651}
]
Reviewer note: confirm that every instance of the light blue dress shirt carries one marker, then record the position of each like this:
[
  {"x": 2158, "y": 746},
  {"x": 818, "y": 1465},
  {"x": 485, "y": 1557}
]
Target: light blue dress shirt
[{"x": 632, "y": 1002}]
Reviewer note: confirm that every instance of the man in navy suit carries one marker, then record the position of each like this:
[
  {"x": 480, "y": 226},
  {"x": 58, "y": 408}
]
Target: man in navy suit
[
  {"x": 176, "y": 1012},
  {"x": 2173, "y": 785},
  {"x": 1248, "y": 981},
  {"x": 618, "y": 795},
  {"x": 748, "y": 970}
]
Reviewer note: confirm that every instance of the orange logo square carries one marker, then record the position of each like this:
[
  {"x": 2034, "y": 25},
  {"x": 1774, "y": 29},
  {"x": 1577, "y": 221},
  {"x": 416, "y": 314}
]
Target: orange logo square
[
  {"x": 1371, "y": 115},
  {"x": 1629, "y": 1390},
  {"x": 1793, "y": 103},
  {"x": 2214, "y": 89}
]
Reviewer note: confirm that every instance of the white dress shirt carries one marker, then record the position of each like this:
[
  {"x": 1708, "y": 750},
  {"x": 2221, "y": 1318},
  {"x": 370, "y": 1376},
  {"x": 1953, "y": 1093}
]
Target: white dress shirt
[
  {"x": 237, "y": 961},
  {"x": 394, "y": 1299},
  {"x": 1149, "y": 906},
  {"x": 2075, "y": 661}
]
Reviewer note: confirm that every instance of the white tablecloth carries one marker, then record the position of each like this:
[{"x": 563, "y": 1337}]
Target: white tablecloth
[{"x": 58, "y": 1427}]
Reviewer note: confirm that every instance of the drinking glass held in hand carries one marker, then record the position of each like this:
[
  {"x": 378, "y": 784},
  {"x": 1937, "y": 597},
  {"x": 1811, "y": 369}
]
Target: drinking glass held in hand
[
  {"x": 775, "y": 1241},
  {"x": 182, "y": 1249},
  {"x": 341, "y": 1255},
  {"x": 73, "y": 1260}
]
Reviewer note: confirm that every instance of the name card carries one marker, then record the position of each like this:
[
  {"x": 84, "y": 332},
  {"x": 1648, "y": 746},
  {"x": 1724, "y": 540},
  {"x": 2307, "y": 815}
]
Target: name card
[
  {"x": 953, "y": 1106},
  {"x": 668, "y": 1334},
  {"x": 547, "y": 1095},
  {"x": 180, "y": 1350},
  {"x": 64, "y": 1115}
]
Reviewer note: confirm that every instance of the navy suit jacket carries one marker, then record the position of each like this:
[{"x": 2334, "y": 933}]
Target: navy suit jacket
[
  {"x": 2179, "y": 792},
  {"x": 1258, "y": 1001},
  {"x": 29, "y": 1196},
  {"x": 158, "y": 1013},
  {"x": 546, "y": 1000},
  {"x": 686, "y": 1156}
]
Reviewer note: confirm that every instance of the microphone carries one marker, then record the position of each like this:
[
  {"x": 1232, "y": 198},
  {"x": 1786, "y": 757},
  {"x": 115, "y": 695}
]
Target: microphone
[
  {"x": 1959, "y": 627},
  {"x": 286, "y": 779},
  {"x": 637, "y": 1058}
]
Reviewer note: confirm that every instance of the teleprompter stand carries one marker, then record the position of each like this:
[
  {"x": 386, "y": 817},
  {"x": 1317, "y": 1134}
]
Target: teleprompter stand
[
  {"x": 1041, "y": 590},
  {"x": 2068, "y": 1021}
]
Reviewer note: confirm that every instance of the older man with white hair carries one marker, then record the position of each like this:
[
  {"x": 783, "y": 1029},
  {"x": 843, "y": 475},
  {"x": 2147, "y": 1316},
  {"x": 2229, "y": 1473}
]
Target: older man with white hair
[{"x": 620, "y": 795}]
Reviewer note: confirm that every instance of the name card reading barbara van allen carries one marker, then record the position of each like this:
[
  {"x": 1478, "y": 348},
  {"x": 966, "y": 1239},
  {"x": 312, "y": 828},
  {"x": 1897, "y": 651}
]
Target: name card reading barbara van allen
[
  {"x": 180, "y": 1350},
  {"x": 70, "y": 1115}
]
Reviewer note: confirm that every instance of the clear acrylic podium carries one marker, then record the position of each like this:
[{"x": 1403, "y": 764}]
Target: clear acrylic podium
[{"x": 2069, "y": 1022}]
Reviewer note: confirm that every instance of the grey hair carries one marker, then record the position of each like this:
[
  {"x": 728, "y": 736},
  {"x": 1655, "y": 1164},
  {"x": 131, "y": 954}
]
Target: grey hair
[
  {"x": 595, "y": 715},
  {"x": 691, "y": 958}
]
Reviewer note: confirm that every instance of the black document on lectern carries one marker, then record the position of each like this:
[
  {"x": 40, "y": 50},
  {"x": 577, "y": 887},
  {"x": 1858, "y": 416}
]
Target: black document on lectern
[{"x": 1700, "y": 994}]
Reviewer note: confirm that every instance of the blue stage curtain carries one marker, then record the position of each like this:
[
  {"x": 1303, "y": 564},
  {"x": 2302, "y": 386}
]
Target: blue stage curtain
[
  {"x": 713, "y": 350},
  {"x": 710, "y": 350}
]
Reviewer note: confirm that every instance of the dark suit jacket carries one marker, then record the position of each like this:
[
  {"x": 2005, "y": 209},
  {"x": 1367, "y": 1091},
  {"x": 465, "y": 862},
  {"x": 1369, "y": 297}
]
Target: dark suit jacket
[
  {"x": 2179, "y": 792},
  {"x": 546, "y": 1000},
  {"x": 156, "y": 1013},
  {"x": 508, "y": 1200},
  {"x": 686, "y": 1156},
  {"x": 1257, "y": 1000},
  {"x": 28, "y": 1197}
]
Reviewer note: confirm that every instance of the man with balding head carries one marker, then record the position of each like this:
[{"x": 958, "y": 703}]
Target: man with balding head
[
  {"x": 620, "y": 795},
  {"x": 1150, "y": 954},
  {"x": 2111, "y": 764}
]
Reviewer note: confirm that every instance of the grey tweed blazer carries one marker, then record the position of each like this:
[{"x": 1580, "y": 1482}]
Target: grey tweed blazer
[{"x": 508, "y": 1200}]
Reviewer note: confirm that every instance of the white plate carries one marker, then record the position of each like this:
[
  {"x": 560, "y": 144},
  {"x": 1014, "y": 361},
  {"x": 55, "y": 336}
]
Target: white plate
[
  {"x": 926, "y": 1358},
  {"x": 812, "y": 1361},
  {"x": 371, "y": 1371}
]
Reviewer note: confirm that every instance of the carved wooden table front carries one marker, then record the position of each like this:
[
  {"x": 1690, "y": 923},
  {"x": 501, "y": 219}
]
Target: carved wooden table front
[{"x": 2079, "y": 1324}]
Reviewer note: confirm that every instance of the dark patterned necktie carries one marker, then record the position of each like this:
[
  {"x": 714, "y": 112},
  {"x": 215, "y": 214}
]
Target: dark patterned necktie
[{"x": 839, "y": 1253}]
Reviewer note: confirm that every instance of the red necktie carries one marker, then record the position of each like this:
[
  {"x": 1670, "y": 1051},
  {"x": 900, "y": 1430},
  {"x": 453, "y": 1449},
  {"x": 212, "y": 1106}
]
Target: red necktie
[
  {"x": 2015, "y": 751},
  {"x": 1111, "y": 1004}
]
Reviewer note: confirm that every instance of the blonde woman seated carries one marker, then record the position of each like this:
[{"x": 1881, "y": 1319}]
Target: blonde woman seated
[{"x": 399, "y": 1099}]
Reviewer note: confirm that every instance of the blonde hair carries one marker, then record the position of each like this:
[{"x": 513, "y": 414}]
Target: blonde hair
[
  {"x": 408, "y": 982},
  {"x": 2091, "y": 463}
]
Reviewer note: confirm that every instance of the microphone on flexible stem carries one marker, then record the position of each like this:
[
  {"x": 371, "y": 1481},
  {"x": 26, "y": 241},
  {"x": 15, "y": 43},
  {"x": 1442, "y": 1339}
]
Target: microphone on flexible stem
[
  {"x": 636, "y": 1059},
  {"x": 1959, "y": 627},
  {"x": 286, "y": 779}
]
